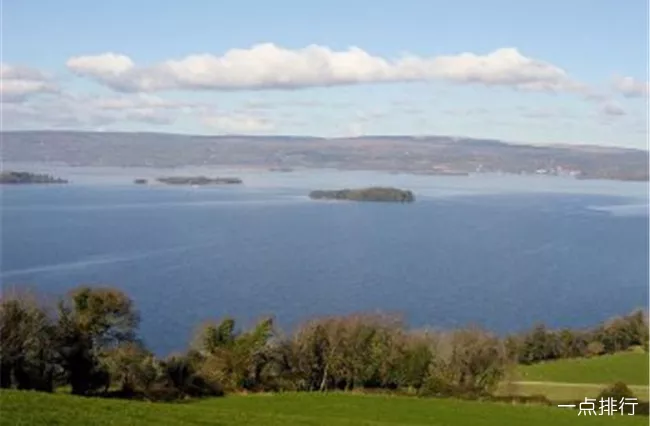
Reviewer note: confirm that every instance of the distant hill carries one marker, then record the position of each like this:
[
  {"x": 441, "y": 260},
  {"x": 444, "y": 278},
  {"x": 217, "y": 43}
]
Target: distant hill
[{"x": 422, "y": 154}]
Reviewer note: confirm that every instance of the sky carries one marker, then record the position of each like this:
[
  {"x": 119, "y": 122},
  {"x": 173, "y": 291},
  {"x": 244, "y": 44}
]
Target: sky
[{"x": 544, "y": 72}]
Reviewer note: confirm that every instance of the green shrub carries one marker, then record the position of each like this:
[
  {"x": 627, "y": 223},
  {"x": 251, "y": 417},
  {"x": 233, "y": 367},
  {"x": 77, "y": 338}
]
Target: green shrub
[{"x": 618, "y": 391}]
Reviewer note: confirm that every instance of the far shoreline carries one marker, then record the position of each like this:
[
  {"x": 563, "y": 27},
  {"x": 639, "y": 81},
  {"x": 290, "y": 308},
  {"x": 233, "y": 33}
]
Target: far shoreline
[{"x": 307, "y": 179}]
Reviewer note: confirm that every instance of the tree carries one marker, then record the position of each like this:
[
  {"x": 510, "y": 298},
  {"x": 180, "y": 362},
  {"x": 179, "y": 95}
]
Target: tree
[
  {"x": 27, "y": 358},
  {"x": 514, "y": 347},
  {"x": 212, "y": 336},
  {"x": 77, "y": 357},
  {"x": 637, "y": 323},
  {"x": 539, "y": 345},
  {"x": 92, "y": 322},
  {"x": 106, "y": 315},
  {"x": 132, "y": 367},
  {"x": 417, "y": 356},
  {"x": 469, "y": 362},
  {"x": 234, "y": 360},
  {"x": 309, "y": 356},
  {"x": 571, "y": 344}
]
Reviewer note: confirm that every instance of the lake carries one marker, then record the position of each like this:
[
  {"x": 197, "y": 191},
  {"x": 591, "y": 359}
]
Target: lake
[{"x": 502, "y": 252}]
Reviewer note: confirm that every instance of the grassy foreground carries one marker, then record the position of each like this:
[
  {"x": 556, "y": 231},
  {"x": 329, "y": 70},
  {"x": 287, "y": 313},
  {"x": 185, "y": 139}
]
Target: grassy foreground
[
  {"x": 628, "y": 367},
  {"x": 31, "y": 408}
]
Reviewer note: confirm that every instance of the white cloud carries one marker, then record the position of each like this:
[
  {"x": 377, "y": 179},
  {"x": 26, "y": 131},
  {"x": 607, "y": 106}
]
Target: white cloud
[
  {"x": 139, "y": 101},
  {"x": 630, "y": 87},
  {"x": 67, "y": 110},
  {"x": 267, "y": 66},
  {"x": 238, "y": 123},
  {"x": 105, "y": 65},
  {"x": 612, "y": 109},
  {"x": 17, "y": 83},
  {"x": 52, "y": 115},
  {"x": 139, "y": 108}
]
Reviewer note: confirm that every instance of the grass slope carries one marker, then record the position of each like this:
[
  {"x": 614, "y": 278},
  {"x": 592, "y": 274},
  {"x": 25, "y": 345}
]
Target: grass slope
[
  {"x": 628, "y": 367},
  {"x": 31, "y": 408},
  {"x": 563, "y": 392}
]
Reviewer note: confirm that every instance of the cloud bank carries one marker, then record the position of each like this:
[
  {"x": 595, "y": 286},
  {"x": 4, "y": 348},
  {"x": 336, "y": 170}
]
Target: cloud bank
[
  {"x": 17, "y": 83},
  {"x": 267, "y": 66}
]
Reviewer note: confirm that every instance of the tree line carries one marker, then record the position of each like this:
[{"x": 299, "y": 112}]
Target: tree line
[
  {"x": 614, "y": 335},
  {"x": 88, "y": 341}
]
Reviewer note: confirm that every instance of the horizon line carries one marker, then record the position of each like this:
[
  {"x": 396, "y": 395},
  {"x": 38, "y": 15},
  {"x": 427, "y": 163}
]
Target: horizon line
[{"x": 325, "y": 138}]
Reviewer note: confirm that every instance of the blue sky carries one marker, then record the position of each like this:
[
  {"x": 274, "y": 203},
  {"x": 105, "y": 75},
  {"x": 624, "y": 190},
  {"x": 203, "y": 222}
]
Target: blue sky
[{"x": 541, "y": 72}]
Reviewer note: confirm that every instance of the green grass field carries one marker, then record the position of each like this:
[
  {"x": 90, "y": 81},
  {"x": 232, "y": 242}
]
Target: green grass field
[
  {"x": 562, "y": 392},
  {"x": 628, "y": 367},
  {"x": 575, "y": 379},
  {"x": 31, "y": 408}
]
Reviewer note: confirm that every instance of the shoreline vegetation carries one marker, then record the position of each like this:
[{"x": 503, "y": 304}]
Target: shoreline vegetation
[
  {"x": 13, "y": 177},
  {"x": 199, "y": 180},
  {"x": 377, "y": 194},
  {"x": 88, "y": 342}
]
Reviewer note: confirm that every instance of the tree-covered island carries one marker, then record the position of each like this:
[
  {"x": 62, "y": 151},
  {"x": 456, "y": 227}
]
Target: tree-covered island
[
  {"x": 384, "y": 194},
  {"x": 10, "y": 177},
  {"x": 199, "y": 180}
]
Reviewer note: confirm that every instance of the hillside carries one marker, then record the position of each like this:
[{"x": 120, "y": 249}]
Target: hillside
[
  {"x": 628, "y": 367},
  {"x": 429, "y": 155},
  {"x": 577, "y": 378},
  {"x": 39, "y": 409}
]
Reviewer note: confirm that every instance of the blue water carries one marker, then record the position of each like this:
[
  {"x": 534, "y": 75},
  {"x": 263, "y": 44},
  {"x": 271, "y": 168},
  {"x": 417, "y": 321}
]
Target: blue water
[{"x": 501, "y": 260}]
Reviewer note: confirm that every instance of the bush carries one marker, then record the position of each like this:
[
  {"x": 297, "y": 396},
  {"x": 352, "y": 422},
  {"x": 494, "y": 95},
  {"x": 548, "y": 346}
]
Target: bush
[
  {"x": 436, "y": 386},
  {"x": 522, "y": 399},
  {"x": 618, "y": 391},
  {"x": 595, "y": 349},
  {"x": 182, "y": 376},
  {"x": 132, "y": 368}
]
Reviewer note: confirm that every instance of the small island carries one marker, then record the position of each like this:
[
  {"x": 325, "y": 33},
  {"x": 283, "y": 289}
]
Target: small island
[
  {"x": 140, "y": 181},
  {"x": 382, "y": 194},
  {"x": 10, "y": 177},
  {"x": 199, "y": 180}
]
